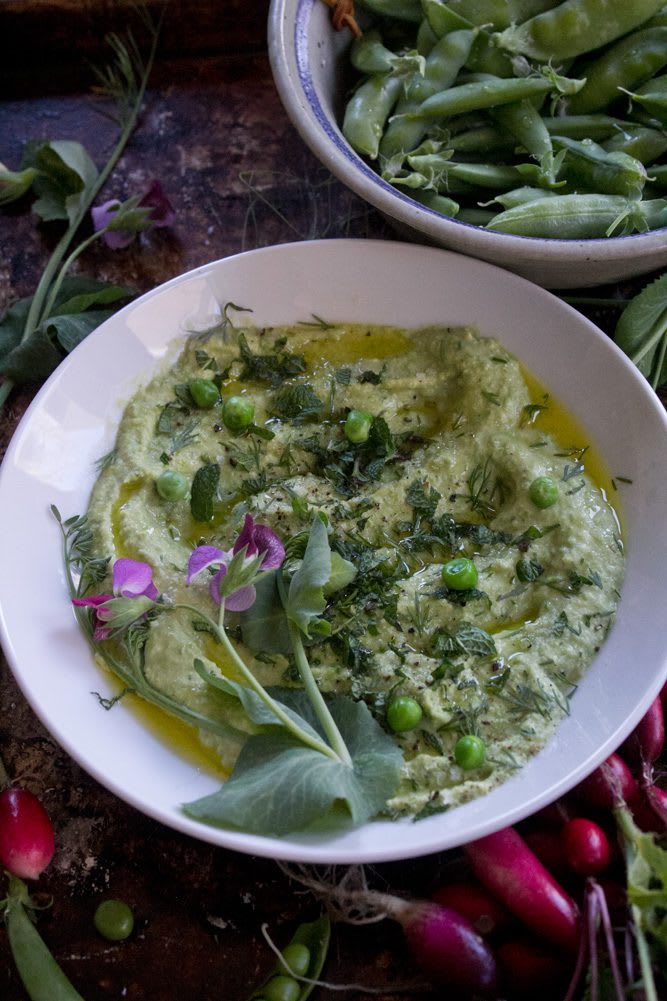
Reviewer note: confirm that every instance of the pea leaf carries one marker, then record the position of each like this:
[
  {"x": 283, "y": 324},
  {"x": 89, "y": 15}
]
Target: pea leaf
[
  {"x": 32, "y": 359},
  {"x": 12, "y": 325},
  {"x": 279, "y": 786},
  {"x": 65, "y": 175},
  {"x": 642, "y": 331},
  {"x": 256, "y": 709},
  {"x": 204, "y": 491},
  {"x": 69, "y": 330},
  {"x": 264, "y": 625},
  {"x": 14, "y": 184},
  {"x": 305, "y": 599}
]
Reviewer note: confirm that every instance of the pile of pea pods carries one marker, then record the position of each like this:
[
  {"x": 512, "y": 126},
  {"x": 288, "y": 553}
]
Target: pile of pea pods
[{"x": 533, "y": 117}]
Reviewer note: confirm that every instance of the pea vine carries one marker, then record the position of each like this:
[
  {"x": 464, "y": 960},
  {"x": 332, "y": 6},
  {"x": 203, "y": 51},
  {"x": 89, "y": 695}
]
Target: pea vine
[{"x": 64, "y": 182}]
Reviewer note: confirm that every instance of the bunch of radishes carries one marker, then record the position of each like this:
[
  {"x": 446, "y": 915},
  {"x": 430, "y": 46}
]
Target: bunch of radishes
[{"x": 538, "y": 911}]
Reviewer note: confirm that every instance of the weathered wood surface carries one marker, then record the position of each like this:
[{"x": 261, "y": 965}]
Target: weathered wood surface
[{"x": 214, "y": 132}]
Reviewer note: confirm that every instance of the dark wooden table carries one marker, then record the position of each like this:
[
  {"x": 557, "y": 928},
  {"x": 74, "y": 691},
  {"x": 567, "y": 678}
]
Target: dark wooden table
[{"x": 214, "y": 132}]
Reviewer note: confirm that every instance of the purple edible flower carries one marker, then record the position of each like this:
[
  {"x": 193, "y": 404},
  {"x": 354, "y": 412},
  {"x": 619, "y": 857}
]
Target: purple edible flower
[
  {"x": 132, "y": 580},
  {"x": 154, "y": 209},
  {"x": 254, "y": 540}
]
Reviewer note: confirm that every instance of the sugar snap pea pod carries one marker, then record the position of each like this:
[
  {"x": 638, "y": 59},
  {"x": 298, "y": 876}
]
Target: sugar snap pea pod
[
  {"x": 575, "y": 27},
  {"x": 42, "y": 978},
  {"x": 590, "y": 166},
  {"x": 367, "y": 111},
  {"x": 490, "y": 93},
  {"x": 481, "y": 175},
  {"x": 658, "y": 20},
  {"x": 437, "y": 202},
  {"x": 369, "y": 54},
  {"x": 523, "y": 195},
  {"x": 495, "y": 13},
  {"x": 484, "y": 139},
  {"x": 442, "y": 18},
  {"x": 485, "y": 57},
  {"x": 441, "y": 68},
  {"x": 629, "y": 62},
  {"x": 426, "y": 38},
  {"x": 525, "y": 123},
  {"x": 571, "y": 217},
  {"x": 522, "y": 10},
  {"x": 402, "y": 10},
  {"x": 652, "y": 96},
  {"x": 596, "y": 126},
  {"x": 476, "y": 216},
  {"x": 640, "y": 141},
  {"x": 305, "y": 955},
  {"x": 433, "y": 180}
]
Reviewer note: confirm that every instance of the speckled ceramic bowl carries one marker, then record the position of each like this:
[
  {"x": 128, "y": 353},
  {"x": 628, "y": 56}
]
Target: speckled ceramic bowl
[{"x": 310, "y": 64}]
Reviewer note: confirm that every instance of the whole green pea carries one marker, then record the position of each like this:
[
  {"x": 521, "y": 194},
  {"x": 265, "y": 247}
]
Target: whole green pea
[
  {"x": 238, "y": 413},
  {"x": 403, "y": 713},
  {"x": 459, "y": 574},
  {"x": 114, "y": 920},
  {"x": 172, "y": 486},
  {"x": 469, "y": 751},
  {"x": 282, "y": 988},
  {"x": 543, "y": 491},
  {"x": 358, "y": 426},
  {"x": 204, "y": 392},
  {"x": 295, "y": 959}
]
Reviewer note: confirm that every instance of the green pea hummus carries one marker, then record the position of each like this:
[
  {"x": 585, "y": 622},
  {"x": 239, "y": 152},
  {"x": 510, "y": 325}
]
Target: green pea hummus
[{"x": 459, "y": 433}]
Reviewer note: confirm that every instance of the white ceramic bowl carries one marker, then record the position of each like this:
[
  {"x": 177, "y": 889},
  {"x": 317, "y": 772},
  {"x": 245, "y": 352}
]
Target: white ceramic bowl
[
  {"x": 73, "y": 420},
  {"x": 310, "y": 67}
]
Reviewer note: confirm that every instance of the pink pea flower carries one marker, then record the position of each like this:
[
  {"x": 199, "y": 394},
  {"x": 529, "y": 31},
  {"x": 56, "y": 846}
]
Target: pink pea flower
[
  {"x": 153, "y": 209},
  {"x": 261, "y": 550},
  {"x": 134, "y": 594}
]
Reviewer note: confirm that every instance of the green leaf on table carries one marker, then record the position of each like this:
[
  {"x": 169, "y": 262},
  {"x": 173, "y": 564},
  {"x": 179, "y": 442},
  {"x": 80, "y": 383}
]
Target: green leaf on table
[
  {"x": 279, "y": 786},
  {"x": 15, "y": 183},
  {"x": 12, "y": 325},
  {"x": 264, "y": 626},
  {"x": 642, "y": 331},
  {"x": 32, "y": 359},
  {"x": 65, "y": 176},
  {"x": 77, "y": 295},
  {"x": 70, "y": 329},
  {"x": 305, "y": 598}
]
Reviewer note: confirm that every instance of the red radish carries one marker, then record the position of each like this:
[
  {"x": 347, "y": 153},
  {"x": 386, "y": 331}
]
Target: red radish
[
  {"x": 27, "y": 843},
  {"x": 549, "y": 848},
  {"x": 530, "y": 971},
  {"x": 552, "y": 816},
  {"x": 586, "y": 847},
  {"x": 647, "y": 740},
  {"x": 445, "y": 944},
  {"x": 507, "y": 867},
  {"x": 657, "y": 800},
  {"x": 612, "y": 781},
  {"x": 475, "y": 903}
]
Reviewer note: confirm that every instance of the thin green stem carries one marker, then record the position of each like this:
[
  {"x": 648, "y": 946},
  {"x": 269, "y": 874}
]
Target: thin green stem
[
  {"x": 645, "y": 961},
  {"x": 276, "y": 709},
  {"x": 314, "y": 694},
  {"x": 5, "y": 389},
  {"x": 56, "y": 285}
]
